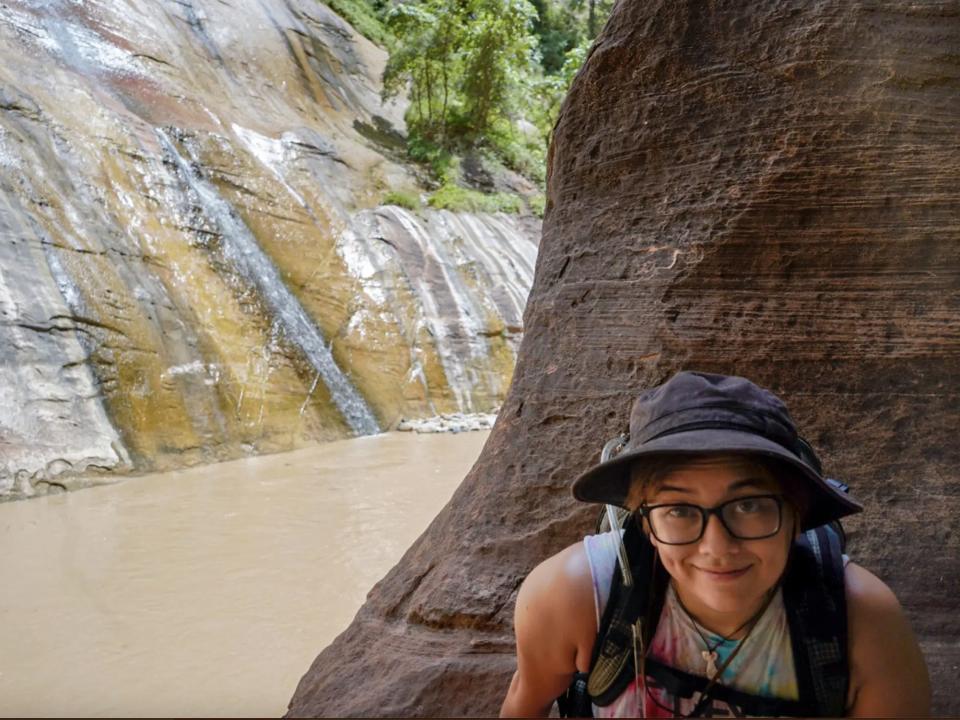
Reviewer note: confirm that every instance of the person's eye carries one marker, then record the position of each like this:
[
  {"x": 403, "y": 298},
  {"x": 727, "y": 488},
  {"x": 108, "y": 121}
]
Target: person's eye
[
  {"x": 745, "y": 507},
  {"x": 681, "y": 512}
]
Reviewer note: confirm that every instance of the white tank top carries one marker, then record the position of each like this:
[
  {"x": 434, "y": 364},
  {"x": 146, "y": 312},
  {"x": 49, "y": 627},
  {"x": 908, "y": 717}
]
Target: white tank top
[{"x": 763, "y": 666}]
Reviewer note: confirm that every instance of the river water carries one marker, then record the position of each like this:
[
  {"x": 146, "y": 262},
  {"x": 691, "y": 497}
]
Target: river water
[{"x": 207, "y": 591}]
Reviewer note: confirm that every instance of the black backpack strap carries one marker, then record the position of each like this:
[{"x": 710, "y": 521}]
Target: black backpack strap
[
  {"x": 815, "y": 600},
  {"x": 575, "y": 702},
  {"x": 682, "y": 685},
  {"x": 612, "y": 665}
]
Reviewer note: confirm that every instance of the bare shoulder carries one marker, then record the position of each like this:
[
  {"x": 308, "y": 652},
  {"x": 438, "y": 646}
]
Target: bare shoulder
[
  {"x": 888, "y": 675},
  {"x": 866, "y": 590},
  {"x": 555, "y": 624},
  {"x": 568, "y": 570},
  {"x": 557, "y": 596}
]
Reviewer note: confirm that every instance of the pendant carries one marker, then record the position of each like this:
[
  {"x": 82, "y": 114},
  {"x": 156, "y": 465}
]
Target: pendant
[{"x": 710, "y": 657}]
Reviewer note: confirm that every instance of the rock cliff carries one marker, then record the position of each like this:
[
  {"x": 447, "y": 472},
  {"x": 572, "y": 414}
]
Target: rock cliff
[
  {"x": 194, "y": 259},
  {"x": 768, "y": 189}
]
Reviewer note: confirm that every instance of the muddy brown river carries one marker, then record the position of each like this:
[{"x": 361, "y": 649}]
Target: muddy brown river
[{"x": 207, "y": 591}]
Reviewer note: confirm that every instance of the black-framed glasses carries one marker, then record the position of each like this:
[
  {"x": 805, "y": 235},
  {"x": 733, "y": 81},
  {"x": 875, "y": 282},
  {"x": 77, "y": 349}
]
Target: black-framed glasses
[{"x": 753, "y": 517}]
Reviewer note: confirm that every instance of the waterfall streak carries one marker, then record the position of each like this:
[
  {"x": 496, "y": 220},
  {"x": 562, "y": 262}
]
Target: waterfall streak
[
  {"x": 458, "y": 335},
  {"x": 509, "y": 276},
  {"x": 242, "y": 250}
]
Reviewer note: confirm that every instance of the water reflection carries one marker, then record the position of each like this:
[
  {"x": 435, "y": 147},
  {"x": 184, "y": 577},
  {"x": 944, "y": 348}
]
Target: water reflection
[{"x": 207, "y": 591}]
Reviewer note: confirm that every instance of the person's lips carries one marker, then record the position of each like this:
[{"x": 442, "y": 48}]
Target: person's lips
[{"x": 724, "y": 574}]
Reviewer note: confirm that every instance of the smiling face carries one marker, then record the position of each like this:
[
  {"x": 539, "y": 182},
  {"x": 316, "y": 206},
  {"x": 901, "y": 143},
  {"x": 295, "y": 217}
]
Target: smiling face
[{"x": 721, "y": 580}]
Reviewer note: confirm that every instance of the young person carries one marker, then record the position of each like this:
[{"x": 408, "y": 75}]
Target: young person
[{"x": 727, "y": 593}]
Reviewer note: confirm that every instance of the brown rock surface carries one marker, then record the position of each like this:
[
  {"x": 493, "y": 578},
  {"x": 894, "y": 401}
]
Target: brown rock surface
[{"x": 769, "y": 189}]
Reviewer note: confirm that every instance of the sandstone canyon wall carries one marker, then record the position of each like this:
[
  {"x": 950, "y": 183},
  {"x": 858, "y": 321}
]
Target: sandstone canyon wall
[
  {"x": 194, "y": 259},
  {"x": 766, "y": 188}
]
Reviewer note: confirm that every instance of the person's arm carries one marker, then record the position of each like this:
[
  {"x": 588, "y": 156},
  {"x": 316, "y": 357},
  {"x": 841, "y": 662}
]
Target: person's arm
[
  {"x": 888, "y": 676},
  {"x": 555, "y": 625}
]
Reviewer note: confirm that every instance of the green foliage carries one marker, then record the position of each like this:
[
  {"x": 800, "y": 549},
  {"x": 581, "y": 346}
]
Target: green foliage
[
  {"x": 538, "y": 204},
  {"x": 425, "y": 59},
  {"x": 521, "y": 148},
  {"x": 558, "y": 30},
  {"x": 459, "y": 199},
  {"x": 498, "y": 57},
  {"x": 408, "y": 200},
  {"x": 594, "y": 14},
  {"x": 441, "y": 161},
  {"x": 485, "y": 75},
  {"x": 548, "y": 91},
  {"x": 364, "y": 16},
  {"x": 463, "y": 61}
]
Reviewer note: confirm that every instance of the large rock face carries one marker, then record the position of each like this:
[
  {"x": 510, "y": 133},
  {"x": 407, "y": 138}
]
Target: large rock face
[
  {"x": 769, "y": 189},
  {"x": 194, "y": 259}
]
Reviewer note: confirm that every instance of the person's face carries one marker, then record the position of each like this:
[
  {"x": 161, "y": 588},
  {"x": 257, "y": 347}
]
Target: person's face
[{"x": 719, "y": 575}]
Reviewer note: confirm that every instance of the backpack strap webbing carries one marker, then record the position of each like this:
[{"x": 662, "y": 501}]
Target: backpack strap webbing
[
  {"x": 575, "y": 702},
  {"x": 630, "y": 610},
  {"x": 683, "y": 685},
  {"x": 817, "y": 614},
  {"x": 611, "y": 663}
]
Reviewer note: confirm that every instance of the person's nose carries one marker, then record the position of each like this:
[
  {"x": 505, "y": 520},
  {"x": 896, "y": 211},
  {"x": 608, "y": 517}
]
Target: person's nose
[{"x": 716, "y": 540}]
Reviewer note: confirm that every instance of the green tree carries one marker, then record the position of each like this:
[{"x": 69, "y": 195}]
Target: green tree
[
  {"x": 425, "y": 58},
  {"x": 558, "y": 31},
  {"x": 597, "y": 12},
  {"x": 462, "y": 61},
  {"x": 546, "y": 92},
  {"x": 486, "y": 74},
  {"x": 497, "y": 60}
]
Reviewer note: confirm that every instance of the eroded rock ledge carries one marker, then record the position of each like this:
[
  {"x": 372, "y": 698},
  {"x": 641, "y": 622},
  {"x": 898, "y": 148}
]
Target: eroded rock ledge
[{"x": 765, "y": 188}]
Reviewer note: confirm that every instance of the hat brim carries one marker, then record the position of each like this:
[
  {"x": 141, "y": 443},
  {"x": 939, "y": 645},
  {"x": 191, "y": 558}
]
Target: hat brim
[{"x": 609, "y": 482}]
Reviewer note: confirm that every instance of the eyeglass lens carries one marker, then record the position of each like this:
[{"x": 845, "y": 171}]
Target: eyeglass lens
[{"x": 745, "y": 518}]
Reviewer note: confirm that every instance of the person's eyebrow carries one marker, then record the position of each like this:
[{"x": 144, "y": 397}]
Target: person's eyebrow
[
  {"x": 673, "y": 488},
  {"x": 748, "y": 482}
]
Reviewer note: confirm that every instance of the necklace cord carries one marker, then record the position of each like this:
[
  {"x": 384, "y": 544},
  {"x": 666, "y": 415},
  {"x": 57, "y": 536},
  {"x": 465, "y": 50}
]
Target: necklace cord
[
  {"x": 646, "y": 644},
  {"x": 723, "y": 638},
  {"x": 705, "y": 694}
]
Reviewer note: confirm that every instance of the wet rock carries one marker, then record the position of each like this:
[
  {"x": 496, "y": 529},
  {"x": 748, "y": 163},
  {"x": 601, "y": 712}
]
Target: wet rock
[
  {"x": 454, "y": 422},
  {"x": 768, "y": 189},
  {"x": 195, "y": 263},
  {"x": 475, "y": 173}
]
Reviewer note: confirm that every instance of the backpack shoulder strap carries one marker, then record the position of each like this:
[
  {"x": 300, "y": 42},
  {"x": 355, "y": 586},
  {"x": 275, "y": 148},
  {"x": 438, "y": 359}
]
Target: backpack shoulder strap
[
  {"x": 611, "y": 663},
  {"x": 815, "y": 600},
  {"x": 575, "y": 702},
  {"x": 631, "y": 611}
]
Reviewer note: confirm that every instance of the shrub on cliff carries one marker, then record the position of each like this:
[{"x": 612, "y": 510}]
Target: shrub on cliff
[{"x": 458, "y": 199}]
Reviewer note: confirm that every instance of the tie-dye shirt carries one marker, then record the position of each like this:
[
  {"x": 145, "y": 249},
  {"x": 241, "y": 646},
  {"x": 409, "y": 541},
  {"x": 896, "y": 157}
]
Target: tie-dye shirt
[{"x": 763, "y": 666}]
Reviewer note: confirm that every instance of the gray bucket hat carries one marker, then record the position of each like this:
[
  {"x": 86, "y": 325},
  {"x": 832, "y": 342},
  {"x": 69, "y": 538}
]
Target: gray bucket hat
[{"x": 704, "y": 414}]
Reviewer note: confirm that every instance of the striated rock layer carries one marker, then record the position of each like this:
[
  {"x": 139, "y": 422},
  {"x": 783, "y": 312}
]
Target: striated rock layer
[
  {"x": 194, "y": 260},
  {"x": 766, "y": 188}
]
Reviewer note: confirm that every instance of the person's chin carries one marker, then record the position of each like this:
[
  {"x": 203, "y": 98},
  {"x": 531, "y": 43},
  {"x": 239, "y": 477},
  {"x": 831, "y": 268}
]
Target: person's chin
[{"x": 727, "y": 602}]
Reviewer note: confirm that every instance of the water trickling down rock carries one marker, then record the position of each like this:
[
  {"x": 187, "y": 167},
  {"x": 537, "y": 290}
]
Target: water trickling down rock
[{"x": 195, "y": 261}]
